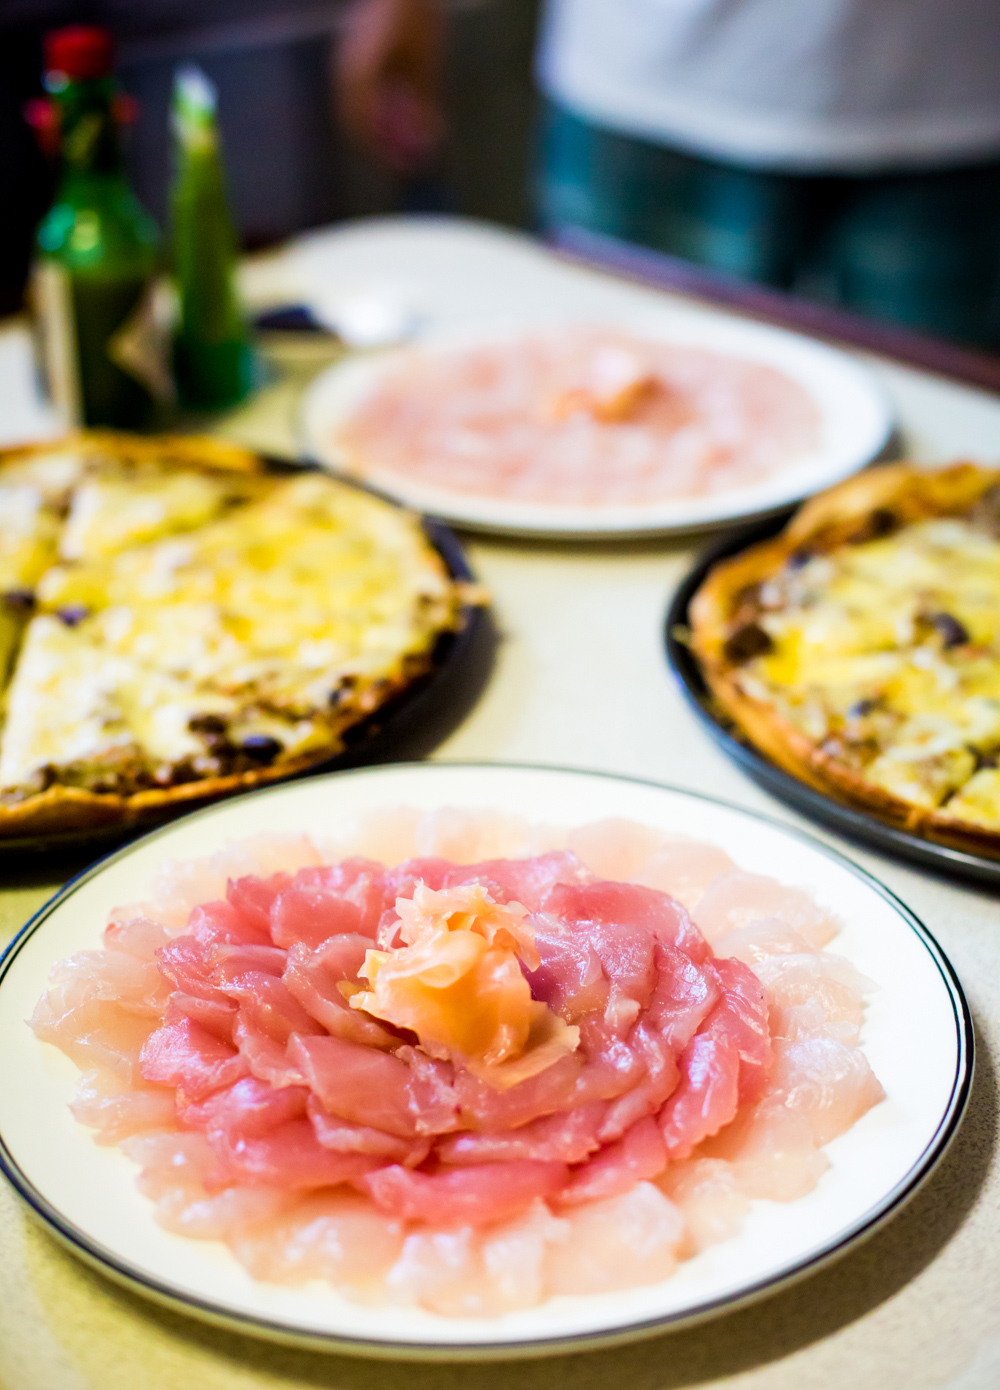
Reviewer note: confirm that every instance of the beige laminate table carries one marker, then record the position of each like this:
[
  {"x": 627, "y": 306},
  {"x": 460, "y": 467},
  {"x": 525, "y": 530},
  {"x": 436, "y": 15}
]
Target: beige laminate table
[{"x": 580, "y": 680}]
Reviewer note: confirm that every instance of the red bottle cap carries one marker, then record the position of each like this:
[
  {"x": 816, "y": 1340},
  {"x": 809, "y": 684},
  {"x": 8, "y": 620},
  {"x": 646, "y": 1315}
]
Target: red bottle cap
[{"x": 80, "y": 51}]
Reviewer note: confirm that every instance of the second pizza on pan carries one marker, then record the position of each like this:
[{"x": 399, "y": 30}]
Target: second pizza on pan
[
  {"x": 179, "y": 623},
  {"x": 859, "y": 650}
]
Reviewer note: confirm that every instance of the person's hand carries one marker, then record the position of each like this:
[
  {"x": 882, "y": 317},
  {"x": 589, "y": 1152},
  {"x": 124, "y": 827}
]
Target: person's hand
[{"x": 389, "y": 80}]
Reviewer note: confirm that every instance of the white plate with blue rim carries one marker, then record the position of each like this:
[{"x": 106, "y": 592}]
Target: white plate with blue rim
[
  {"x": 917, "y": 1036},
  {"x": 854, "y": 420}
]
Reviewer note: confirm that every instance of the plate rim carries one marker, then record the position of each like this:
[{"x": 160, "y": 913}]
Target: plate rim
[
  {"x": 858, "y": 825},
  {"x": 450, "y": 506},
  {"x": 865, "y": 1225}
]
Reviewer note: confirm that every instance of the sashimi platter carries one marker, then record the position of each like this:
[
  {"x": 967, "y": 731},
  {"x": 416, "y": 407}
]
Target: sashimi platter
[
  {"x": 383, "y": 1062},
  {"x": 642, "y": 422}
]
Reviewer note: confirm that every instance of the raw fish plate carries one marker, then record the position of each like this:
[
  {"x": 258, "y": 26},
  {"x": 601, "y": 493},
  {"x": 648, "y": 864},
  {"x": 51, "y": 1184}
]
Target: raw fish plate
[{"x": 916, "y": 1036}]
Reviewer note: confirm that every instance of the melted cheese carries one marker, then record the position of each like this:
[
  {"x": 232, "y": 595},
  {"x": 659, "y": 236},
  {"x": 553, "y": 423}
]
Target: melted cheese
[
  {"x": 64, "y": 704},
  {"x": 109, "y": 514},
  {"x": 28, "y": 531},
  {"x": 259, "y": 616},
  {"x": 863, "y": 656}
]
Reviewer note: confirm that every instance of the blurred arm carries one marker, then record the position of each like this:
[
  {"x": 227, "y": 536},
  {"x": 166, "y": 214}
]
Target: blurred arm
[{"x": 388, "y": 76}]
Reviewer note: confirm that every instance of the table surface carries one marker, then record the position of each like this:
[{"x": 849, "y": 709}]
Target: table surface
[{"x": 580, "y": 680}]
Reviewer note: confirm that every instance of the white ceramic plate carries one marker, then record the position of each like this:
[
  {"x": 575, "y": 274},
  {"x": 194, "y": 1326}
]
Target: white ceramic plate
[
  {"x": 917, "y": 1036},
  {"x": 855, "y": 421}
]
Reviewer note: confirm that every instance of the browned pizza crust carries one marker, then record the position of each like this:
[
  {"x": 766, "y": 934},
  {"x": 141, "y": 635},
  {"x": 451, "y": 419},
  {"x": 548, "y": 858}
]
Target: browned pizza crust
[
  {"x": 62, "y": 808},
  {"x": 65, "y": 808},
  {"x": 869, "y": 505}
]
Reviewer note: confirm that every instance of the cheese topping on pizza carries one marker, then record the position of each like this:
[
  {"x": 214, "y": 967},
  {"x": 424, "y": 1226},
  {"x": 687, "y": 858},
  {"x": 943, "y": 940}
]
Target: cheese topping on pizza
[
  {"x": 172, "y": 624},
  {"x": 886, "y": 655}
]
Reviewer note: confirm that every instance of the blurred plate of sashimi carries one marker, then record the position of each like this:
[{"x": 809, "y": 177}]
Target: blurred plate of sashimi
[
  {"x": 473, "y": 1060},
  {"x": 650, "y": 423}
]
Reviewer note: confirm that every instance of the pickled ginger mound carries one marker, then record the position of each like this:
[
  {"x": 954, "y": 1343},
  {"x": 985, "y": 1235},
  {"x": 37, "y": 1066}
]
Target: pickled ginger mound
[
  {"x": 458, "y": 984},
  {"x": 451, "y": 1066}
]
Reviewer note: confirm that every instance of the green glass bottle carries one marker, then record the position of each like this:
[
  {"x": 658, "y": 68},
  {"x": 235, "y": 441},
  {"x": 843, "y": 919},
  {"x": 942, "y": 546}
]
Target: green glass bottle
[
  {"x": 213, "y": 359},
  {"x": 94, "y": 276}
]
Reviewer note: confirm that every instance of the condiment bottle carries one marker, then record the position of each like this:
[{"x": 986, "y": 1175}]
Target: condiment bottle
[
  {"x": 213, "y": 360},
  {"x": 94, "y": 277}
]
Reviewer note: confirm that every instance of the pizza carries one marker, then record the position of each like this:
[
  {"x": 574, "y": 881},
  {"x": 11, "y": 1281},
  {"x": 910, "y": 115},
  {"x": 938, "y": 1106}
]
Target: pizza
[
  {"x": 860, "y": 649},
  {"x": 177, "y": 622}
]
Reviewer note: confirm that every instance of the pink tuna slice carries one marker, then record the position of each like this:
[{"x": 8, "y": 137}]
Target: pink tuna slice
[
  {"x": 483, "y": 1107},
  {"x": 570, "y": 978},
  {"x": 185, "y": 1055},
  {"x": 313, "y": 977},
  {"x": 741, "y": 1014},
  {"x": 431, "y": 1088},
  {"x": 289, "y": 1157},
  {"x": 725, "y": 1064},
  {"x": 188, "y": 964},
  {"x": 401, "y": 880},
  {"x": 360, "y": 882},
  {"x": 218, "y": 923},
  {"x": 648, "y": 1095},
  {"x": 640, "y": 1154},
  {"x": 268, "y": 1060},
  {"x": 568, "y": 1137},
  {"x": 617, "y": 903},
  {"x": 247, "y": 1110},
  {"x": 357, "y": 1083},
  {"x": 217, "y": 1016},
  {"x": 613, "y": 1068},
  {"x": 229, "y": 963},
  {"x": 706, "y": 1098},
  {"x": 343, "y": 1136},
  {"x": 524, "y": 881},
  {"x": 267, "y": 1003},
  {"x": 594, "y": 964},
  {"x": 252, "y": 898},
  {"x": 475, "y": 1196},
  {"x": 312, "y": 916},
  {"x": 626, "y": 955},
  {"x": 683, "y": 996}
]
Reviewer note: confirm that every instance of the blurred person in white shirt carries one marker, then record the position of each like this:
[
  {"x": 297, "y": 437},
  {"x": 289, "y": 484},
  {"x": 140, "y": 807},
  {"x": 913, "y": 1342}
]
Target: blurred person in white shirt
[{"x": 847, "y": 147}]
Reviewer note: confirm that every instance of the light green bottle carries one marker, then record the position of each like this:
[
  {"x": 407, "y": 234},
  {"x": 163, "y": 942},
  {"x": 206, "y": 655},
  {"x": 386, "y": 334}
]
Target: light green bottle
[{"x": 213, "y": 359}]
